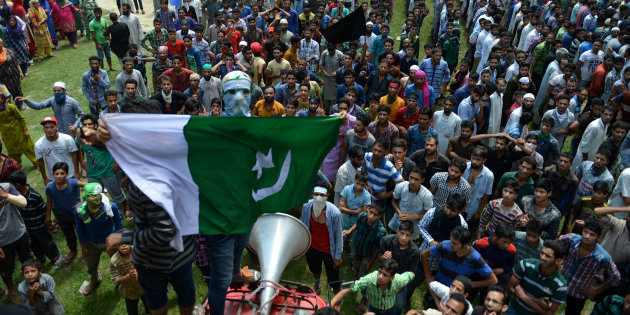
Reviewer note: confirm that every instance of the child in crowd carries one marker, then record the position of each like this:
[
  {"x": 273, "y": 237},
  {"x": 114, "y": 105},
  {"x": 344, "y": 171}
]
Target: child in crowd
[
  {"x": 62, "y": 195},
  {"x": 34, "y": 216},
  {"x": 441, "y": 293},
  {"x": 529, "y": 243},
  {"x": 584, "y": 208},
  {"x": 370, "y": 231},
  {"x": 501, "y": 210},
  {"x": 354, "y": 200},
  {"x": 37, "y": 290},
  {"x": 125, "y": 276}
]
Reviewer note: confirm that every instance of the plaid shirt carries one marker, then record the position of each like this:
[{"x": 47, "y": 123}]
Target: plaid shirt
[
  {"x": 580, "y": 272},
  {"x": 439, "y": 181},
  {"x": 167, "y": 18},
  {"x": 381, "y": 300},
  {"x": 155, "y": 41},
  {"x": 550, "y": 216},
  {"x": 204, "y": 48},
  {"x": 310, "y": 49},
  {"x": 436, "y": 75}
]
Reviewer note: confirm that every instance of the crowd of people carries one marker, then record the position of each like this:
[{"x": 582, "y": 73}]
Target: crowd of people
[{"x": 451, "y": 168}]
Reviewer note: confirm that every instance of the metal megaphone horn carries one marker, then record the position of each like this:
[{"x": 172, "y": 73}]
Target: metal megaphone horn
[{"x": 276, "y": 238}]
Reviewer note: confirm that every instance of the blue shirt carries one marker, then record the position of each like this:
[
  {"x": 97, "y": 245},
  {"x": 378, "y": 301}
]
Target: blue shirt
[
  {"x": 380, "y": 174},
  {"x": 412, "y": 88},
  {"x": 353, "y": 203},
  {"x": 416, "y": 137},
  {"x": 342, "y": 89},
  {"x": 437, "y": 75},
  {"x": 64, "y": 200},
  {"x": 451, "y": 265},
  {"x": 96, "y": 228},
  {"x": 567, "y": 39},
  {"x": 283, "y": 94},
  {"x": 468, "y": 111},
  {"x": 260, "y": 22},
  {"x": 87, "y": 87},
  {"x": 194, "y": 59},
  {"x": 333, "y": 223},
  {"x": 496, "y": 257},
  {"x": 294, "y": 24},
  {"x": 483, "y": 186},
  {"x": 460, "y": 94}
]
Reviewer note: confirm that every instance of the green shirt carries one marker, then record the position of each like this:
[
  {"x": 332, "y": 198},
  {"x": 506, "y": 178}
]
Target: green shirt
[
  {"x": 99, "y": 162},
  {"x": 523, "y": 190},
  {"x": 379, "y": 299},
  {"x": 612, "y": 304},
  {"x": 583, "y": 209},
  {"x": 125, "y": 99},
  {"x": 553, "y": 286},
  {"x": 540, "y": 53},
  {"x": 98, "y": 28}
]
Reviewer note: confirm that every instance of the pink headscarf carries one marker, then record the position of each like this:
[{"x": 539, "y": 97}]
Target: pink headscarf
[{"x": 425, "y": 88}]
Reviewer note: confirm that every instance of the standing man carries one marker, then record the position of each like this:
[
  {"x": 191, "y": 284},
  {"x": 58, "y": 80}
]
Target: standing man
[
  {"x": 67, "y": 110},
  {"x": 593, "y": 137},
  {"x": 55, "y": 147},
  {"x": 430, "y": 159},
  {"x": 118, "y": 34},
  {"x": 444, "y": 184},
  {"x": 94, "y": 84},
  {"x": 97, "y": 27},
  {"x": 309, "y": 50},
  {"x": 156, "y": 38},
  {"x": 130, "y": 73},
  {"x": 480, "y": 179},
  {"x": 96, "y": 218},
  {"x": 437, "y": 72},
  {"x": 446, "y": 123},
  {"x": 133, "y": 23}
]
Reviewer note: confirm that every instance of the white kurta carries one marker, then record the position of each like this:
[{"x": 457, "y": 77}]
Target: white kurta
[
  {"x": 552, "y": 70},
  {"x": 135, "y": 29},
  {"x": 592, "y": 138},
  {"x": 446, "y": 127},
  {"x": 494, "y": 119}
]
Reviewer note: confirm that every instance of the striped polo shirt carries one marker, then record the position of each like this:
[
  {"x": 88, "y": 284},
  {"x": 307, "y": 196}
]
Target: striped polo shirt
[
  {"x": 452, "y": 265},
  {"x": 528, "y": 272},
  {"x": 379, "y": 175}
]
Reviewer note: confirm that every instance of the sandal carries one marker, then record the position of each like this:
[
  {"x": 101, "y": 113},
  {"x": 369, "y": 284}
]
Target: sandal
[
  {"x": 198, "y": 310},
  {"x": 59, "y": 262},
  {"x": 54, "y": 228},
  {"x": 91, "y": 287},
  {"x": 69, "y": 257}
]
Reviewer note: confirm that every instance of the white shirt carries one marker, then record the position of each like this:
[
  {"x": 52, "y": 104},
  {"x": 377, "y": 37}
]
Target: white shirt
[
  {"x": 512, "y": 70},
  {"x": 521, "y": 42},
  {"x": 622, "y": 189},
  {"x": 370, "y": 40},
  {"x": 591, "y": 61},
  {"x": 443, "y": 292},
  {"x": 446, "y": 127},
  {"x": 496, "y": 107},
  {"x": 59, "y": 150},
  {"x": 592, "y": 138}
]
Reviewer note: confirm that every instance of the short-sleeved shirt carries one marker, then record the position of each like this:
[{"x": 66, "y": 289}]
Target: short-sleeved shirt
[
  {"x": 591, "y": 61},
  {"x": 622, "y": 189},
  {"x": 553, "y": 286},
  {"x": 452, "y": 265},
  {"x": 382, "y": 300},
  {"x": 380, "y": 174},
  {"x": 439, "y": 181},
  {"x": 98, "y": 28},
  {"x": 64, "y": 200},
  {"x": 59, "y": 150},
  {"x": 276, "y": 67},
  {"x": 459, "y": 149},
  {"x": 99, "y": 162},
  {"x": 365, "y": 144},
  {"x": 443, "y": 292},
  {"x": 523, "y": 190},
  {"x": 354, "y": 202},
  {"x": 588, "y": 180},
  {"x": 416, "y": 137},
  {"x": 523, "y": 250},
  {"x": 439, "y": 165},
  {"x": 415, "y": 204},
  {"x": 11, "y": 223}
]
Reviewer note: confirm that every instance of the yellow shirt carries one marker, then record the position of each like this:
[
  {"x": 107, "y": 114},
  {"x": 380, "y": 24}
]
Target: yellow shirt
[
  {"x": 292, "y": 57},
  {"x": 395, "y": 106},
  {"x": 261, "y": 111}
]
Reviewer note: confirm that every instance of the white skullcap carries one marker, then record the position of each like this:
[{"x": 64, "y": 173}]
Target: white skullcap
[
  {"x": 414, "y": 68},
  {"x": 284, "y": 21},
  {"x": 242, "y": 43},
  {"x": 528, "y": 95},
  {"x": 524, "y": 80},
  {"x": 59, "y": 84},
  {"x": 369, "y": 23},
  {"x": 615, "y": 29}
]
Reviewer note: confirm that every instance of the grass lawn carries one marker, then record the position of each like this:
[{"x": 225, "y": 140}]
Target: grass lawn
[{"x": 68, "y": 66}]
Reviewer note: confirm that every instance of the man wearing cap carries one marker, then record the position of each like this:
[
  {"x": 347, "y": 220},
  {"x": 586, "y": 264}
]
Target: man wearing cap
[
  {"x": 183, "y": 31},
  {"x": 55, "y": 147},
  {"x": 369, "y": 37},
  {"x": 285, "y": 34},
  {"x": 528, "y": 106},
  {"x": 66, "y": 109},
  {"x": 95, "y": 219},
  {"x": 210, "y": 85}
]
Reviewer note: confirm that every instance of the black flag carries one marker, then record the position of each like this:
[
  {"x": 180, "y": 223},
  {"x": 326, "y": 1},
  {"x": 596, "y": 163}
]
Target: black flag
[{"x": 347, "y": 29}]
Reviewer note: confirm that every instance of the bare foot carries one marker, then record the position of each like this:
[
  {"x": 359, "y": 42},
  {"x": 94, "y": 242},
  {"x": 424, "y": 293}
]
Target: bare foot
[
  {"x": 74, "y": 46},
  {"x": 112, "y": 69}
]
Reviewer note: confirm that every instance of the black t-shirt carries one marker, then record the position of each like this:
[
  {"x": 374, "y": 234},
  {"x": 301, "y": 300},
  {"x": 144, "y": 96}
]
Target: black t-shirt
[
  {"x": 439, "y": 165},
  {"x": 407, "y": 258},
  {"x": 269, "y": 48},
  {"x": 500, "y": 165},
  {"x": 614, "y": 149},
  {"x": 459, "y": 148}
]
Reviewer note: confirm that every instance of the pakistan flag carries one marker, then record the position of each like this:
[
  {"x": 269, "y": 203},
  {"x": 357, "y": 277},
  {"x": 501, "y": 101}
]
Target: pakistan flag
[{"x": 216, "y": 175}]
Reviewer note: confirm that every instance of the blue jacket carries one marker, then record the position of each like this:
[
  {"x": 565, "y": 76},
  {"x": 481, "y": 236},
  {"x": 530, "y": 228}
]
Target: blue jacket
[
  {"x": 96, "y": 229},
  {"x": 102, "y": 86},
  {"x": 333, "y": 223}
]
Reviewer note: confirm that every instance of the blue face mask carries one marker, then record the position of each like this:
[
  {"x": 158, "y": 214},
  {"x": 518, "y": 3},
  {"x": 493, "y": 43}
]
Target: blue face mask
[
  {"x": 60, "y": 98},
  {"x": 237, "y": 104}
]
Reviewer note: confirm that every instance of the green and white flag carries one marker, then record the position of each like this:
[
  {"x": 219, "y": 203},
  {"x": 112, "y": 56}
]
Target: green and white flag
[{"x": 216, "y": 175}]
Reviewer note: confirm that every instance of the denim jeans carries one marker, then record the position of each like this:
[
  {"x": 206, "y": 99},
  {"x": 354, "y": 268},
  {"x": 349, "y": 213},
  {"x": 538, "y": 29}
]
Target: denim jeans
[
  {"x": 225, "y": 252},
  {"x": 401, "y": 299},
  {"x": 155, "y": 286}
]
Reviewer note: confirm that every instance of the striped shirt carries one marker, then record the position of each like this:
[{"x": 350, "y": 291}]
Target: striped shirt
[
  {"x": 34, "y": 213},
  {"x": 379, "y": 299},
  {"x": 153, "y": 234},
  {"x": 612, "y": 304},
  {"x": 439, "y": 181},
  {"x": 307, "y": 50},
  {"x": 581, "y": 272},
  {"x": 204, "y": 48},
  {"x": 528, "y": 273},
  {"x": 549, "y": 217},
  {"x": 494, "y": 214},
  {"x": 437, "y": 75},
  {"x": 523, "y": 250},
  {"x": 367, "y": 237},
  {"x": 452, "y": 265},
  {"x": 379, "y": 175}
]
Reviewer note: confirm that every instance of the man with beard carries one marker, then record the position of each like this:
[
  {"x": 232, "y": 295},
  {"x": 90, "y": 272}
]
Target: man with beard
[
  {"x": 590, "y": 172},
  {"x": 514, "y": 85},
  {"x": 171, "y": 101},
  {"x": 383, "y": 128},
  {"x": 444, "y": 184},
  {"x": 537, "y": 284},
  {"x": 430, "y": 159},
  {"x": 578, "y": 127},
  {"x": 446, "y": 123},
  {"x": 130, "y": 73},
  {"x": 159, "y": 66},
  {"x": 253, "y": 34},
  {"x": 619, "y": 129},
  {"x": 268, "y": 106},
  {"x": 459, "y": 146},
  {"x": 314, "y": 109},
  {"x": 180, "y": 76},
  {"x": 347, "y": 171},
  {"x": 593, "y": 137},
  {"x": 380, "y": 170},
  {"x": 210, "y": 85},
  {"x": 564, "y": 182},
  {"x": 358, "y": 136},
  {"x": 408, "y": 115},
  {"x": 495, "y": 303},
  {"x": 481, "y": 180},
  {"x": 94, "y": 83},
  {"x": 134, "y": 25},
  {"x": 513, "y": 69},
  {"x": 528, "y": 106}
]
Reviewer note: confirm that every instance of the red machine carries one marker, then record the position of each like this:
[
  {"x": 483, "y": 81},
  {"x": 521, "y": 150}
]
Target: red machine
[{"x": 291, "y": 298}]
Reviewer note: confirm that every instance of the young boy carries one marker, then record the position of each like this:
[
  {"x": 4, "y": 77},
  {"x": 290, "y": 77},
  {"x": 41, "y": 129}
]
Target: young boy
[
  {"x": 529, "y": 243},
  {"x": 381, "y": 287},
  {"x": 354, "y": 200},
  {"x": 584, "y": 208},
  {"x": 539, "y": 206},
  {"x": 501, "y": 210},
  {"x": 62, "y": 195},
  {"x": 125, "y": 276},
  {"x": 37, "y": 290},
  {"x": 34, "y": 215},
  {"x": 518, "y": 100},
  {"x": 498, "y": 251},
  {"x": 441, "y": 293},
  {"x": 400, "y": 248}
]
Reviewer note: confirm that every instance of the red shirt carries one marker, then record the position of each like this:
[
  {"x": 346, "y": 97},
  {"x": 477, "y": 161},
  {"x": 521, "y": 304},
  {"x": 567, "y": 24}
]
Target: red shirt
[
  {"x": 400, "y": 119},
  {"x": 320, "y": 240},
  {"x": 180, "y": 82},
  {"x": 235, "y": 39},
  {"x": 598, "y": 81},
  {"x": 178, "y": 49}
]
